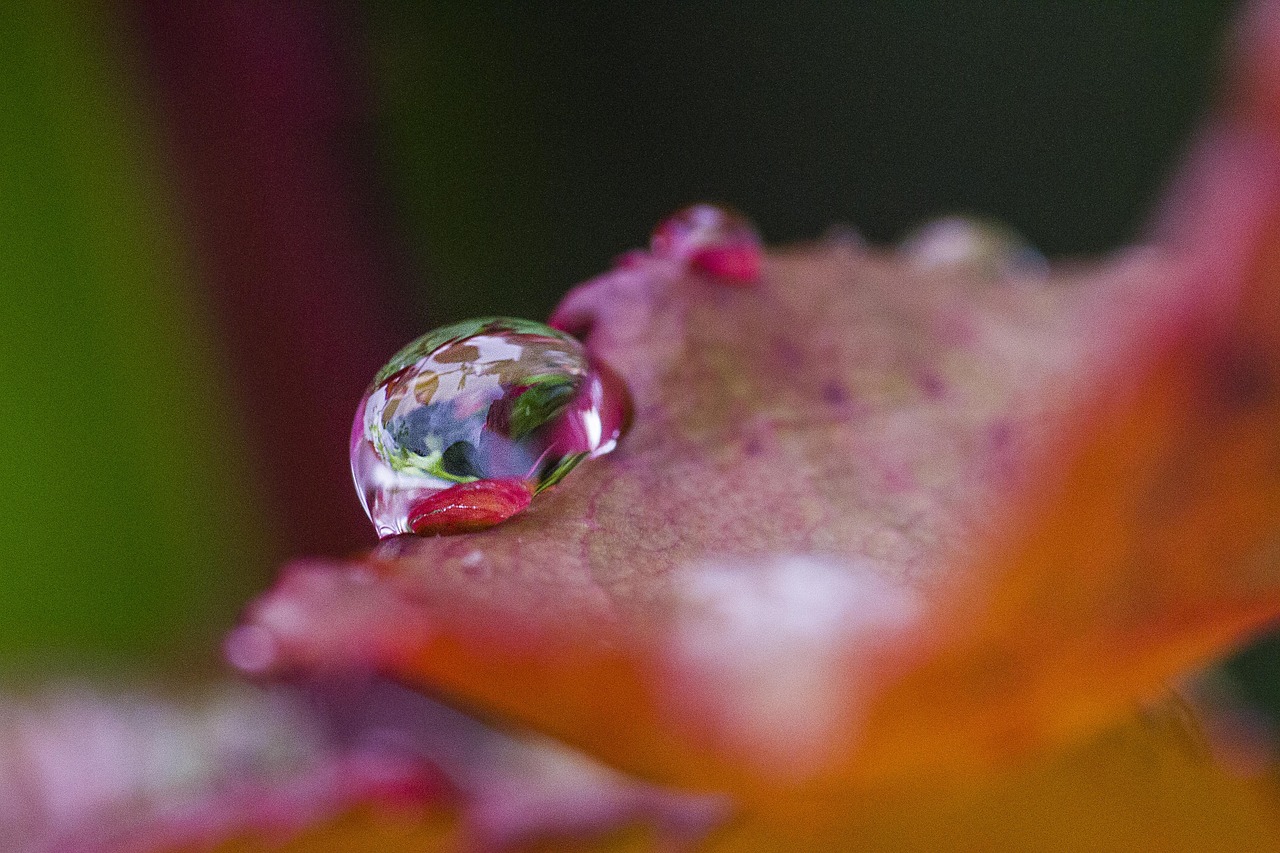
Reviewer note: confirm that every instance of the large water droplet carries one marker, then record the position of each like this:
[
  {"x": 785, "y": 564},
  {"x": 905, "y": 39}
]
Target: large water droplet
[
  {"x": 714, "y": 240},
  {"x": 466, "y": 424}
]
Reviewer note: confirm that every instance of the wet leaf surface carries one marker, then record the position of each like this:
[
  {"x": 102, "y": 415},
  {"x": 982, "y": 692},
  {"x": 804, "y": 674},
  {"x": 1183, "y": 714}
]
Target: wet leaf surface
[
  {"x": 884, "y": 524},
  {"x": 893, "y": 420}
]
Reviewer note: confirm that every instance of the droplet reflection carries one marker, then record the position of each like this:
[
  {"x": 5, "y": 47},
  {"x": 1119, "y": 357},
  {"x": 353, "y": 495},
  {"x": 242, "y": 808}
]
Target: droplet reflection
[{"x": 466, "y": 424}]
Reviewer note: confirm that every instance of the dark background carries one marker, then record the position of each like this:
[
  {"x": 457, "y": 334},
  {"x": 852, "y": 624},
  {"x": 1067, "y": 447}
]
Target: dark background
[{"x": 525, "y": 146}]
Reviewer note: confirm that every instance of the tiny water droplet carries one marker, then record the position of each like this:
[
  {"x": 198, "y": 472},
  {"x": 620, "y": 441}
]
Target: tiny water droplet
[
  {"x": 716, "y": 241},
  {"x": 980, "y": 246},
  {"x": 464, "y": 426}
]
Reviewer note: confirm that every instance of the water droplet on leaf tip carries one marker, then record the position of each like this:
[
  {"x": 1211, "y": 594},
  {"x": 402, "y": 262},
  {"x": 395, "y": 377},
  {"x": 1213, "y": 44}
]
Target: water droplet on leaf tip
[
  {"x": 980, "y": 246},
  {"x": 466, "y": 424},
  {"x": 716, "y": 241}
]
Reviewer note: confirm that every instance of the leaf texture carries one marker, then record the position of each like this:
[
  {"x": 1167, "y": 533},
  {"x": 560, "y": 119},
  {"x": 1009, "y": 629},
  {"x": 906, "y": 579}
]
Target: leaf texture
[{"x": 884, "y": 522}]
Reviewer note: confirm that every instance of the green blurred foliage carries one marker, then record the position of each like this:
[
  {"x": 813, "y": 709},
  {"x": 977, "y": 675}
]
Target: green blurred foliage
[{"x": 127, "y": 522}]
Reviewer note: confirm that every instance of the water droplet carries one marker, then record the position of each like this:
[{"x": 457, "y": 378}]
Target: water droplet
[
  {"x": 980, "y": 246},
  {"x": 716, "y": 241},
  {"x": 466, "y": 424}
]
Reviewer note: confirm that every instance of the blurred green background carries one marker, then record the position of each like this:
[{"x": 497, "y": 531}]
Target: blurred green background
[
  {"x": 127, "y": 516},
  {"x": 499, "y": 153}
]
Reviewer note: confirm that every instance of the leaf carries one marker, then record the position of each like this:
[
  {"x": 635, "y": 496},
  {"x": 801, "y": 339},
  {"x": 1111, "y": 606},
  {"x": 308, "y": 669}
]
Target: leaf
[
  {"x": 362, "y": 831},
  {"x": 879, "y": 521},
  {"x": 1146, "y": 784},
  {"x": 94, "y": 771},
  {"x": 336, "y": 764},
  {"x": 855, "y": 406}
]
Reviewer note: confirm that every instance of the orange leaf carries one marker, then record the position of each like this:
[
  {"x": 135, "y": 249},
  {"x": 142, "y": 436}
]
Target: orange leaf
[
  {"x": 1144, "y": 785},
  {"x": 362, "y": 831}
]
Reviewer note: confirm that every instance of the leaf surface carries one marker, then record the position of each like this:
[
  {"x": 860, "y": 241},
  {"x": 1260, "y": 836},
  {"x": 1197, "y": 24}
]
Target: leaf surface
[
  {"x": 879, "y": 517},
  {"x": 881, "y": 416}
]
